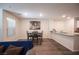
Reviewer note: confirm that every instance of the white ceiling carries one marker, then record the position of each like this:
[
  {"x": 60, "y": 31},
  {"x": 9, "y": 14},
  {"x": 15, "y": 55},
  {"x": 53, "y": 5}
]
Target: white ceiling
[{"x": 47, "y": 9}]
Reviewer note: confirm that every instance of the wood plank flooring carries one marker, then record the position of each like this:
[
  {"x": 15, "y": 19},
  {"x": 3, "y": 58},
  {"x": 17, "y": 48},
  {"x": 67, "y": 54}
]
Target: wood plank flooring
[{"x": 49, "y": 47}]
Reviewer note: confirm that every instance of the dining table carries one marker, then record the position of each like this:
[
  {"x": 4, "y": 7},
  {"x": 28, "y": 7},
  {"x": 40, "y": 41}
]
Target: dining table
[{"x": 36, "y": 37}]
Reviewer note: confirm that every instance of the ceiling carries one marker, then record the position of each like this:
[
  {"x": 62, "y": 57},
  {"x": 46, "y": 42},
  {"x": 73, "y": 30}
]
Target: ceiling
[{"x": 52, "y": 10}]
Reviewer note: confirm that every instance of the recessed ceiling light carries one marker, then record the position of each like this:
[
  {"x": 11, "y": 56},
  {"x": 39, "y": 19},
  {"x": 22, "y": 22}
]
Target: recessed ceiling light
[
  {"x": 68, "y": 17},
  {"x": 41, "y": 14},
  {"x": 63, "y": 16},
  {"x": 24, "y": 14}
]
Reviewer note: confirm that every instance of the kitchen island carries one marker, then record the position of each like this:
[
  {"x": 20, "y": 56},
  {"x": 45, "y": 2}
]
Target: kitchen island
[{"x": 70, "y": 41}]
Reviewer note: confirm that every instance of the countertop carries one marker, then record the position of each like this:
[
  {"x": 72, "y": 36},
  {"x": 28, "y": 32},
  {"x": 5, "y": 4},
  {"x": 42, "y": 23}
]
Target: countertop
[{"x": 66, "y": 34}]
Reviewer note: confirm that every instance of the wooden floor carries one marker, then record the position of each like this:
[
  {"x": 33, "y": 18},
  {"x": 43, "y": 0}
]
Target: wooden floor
[{"x": 49, "y": 47}]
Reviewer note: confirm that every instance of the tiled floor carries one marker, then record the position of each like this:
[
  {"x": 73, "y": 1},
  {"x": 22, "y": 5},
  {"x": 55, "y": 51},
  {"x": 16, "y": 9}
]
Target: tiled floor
[{"x": 49, "y": 47}]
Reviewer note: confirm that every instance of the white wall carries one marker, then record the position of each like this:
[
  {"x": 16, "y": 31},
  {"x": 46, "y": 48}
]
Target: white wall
[
  {"x": 69, "y": 26},
  {"x": 64, "y": 25},
  {"x": 59, "y": 25}
]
